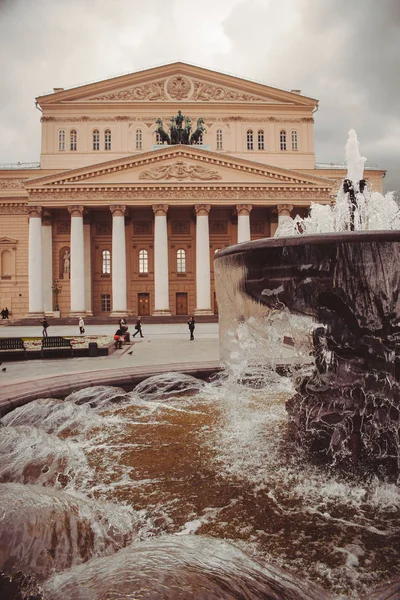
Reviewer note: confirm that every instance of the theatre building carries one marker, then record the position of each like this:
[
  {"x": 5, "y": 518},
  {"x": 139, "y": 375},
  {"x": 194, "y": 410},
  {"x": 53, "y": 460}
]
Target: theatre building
[{"x": 142, "y": 179}]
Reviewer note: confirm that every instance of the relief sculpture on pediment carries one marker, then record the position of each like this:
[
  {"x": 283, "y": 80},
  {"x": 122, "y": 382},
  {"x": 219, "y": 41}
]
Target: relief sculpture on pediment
[
  {"x": 207, "y": 91},
  {"x": 180, "y": 170},
  {"x": 149, "y": 91}
]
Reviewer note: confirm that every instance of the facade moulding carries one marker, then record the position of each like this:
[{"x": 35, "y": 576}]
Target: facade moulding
[{"x": 14, "y": 209}]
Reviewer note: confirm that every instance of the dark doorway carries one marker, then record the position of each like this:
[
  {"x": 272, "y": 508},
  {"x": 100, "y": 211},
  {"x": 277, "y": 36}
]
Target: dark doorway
[
  {"x": 181, "y": 303},
  {"x": 144, "y": 305}
]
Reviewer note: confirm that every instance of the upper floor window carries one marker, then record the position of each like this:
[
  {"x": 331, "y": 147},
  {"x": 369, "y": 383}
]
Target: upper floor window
[
  {"x": 181, "y": 261},
  {"x": 107, "y": 139},
  {"x": 61, "y": 139},
  {"x": 260, "y": 138},
  {"x": 158, "y": 138},
  {"x": 139, "y": 139},
  {"x": 106, "y": 262},
  {"x": 294, "y": 140},
  {"x": 96, "y": 139},
  {"x": 143, "y": 261},
  {"x": 282, "y": 138},
  {"x": 73, "y": 139},
  {"x": 219, "y": 139},
  {"x": 250, "y": 139}
]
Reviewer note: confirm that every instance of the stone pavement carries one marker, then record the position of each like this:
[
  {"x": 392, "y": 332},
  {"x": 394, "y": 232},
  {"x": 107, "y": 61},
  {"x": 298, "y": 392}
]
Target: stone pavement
[{"x": 163, "y": 344}]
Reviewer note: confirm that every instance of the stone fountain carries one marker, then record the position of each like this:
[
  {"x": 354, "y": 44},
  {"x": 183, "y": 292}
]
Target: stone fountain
[{"x": 339, "y": 270}]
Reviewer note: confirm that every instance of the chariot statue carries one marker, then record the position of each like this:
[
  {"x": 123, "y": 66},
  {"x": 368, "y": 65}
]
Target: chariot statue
[{"x": 180, "y": 130}]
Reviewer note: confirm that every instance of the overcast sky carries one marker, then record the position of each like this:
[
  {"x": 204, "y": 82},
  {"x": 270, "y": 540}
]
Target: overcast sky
[{"x": 346, "y": 53}]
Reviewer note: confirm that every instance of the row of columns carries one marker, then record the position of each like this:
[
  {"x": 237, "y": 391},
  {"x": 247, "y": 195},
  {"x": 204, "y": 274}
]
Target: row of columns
[{"x": 40, "y": 259}]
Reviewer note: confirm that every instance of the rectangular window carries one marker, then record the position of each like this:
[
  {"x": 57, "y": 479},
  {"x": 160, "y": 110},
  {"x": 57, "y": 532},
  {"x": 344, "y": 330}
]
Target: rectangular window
[{"x": 105, "y": 303}]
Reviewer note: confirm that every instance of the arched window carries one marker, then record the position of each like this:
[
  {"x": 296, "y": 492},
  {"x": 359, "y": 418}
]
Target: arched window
[
  {"x": 294, "y": 140},
  {"x": 199, "y": 140},
  {"x": 260, "y": 138},
  {"x": 158, "y": 138},
  {"x": 73, "y": 139},
  {"x": 219, "y": 139},
  {"x": 106, "y": 262},
  {"x": 282, "y": 137},
  {"x": 143, "y": 261},
  {"x": 181, "y": 261},
  {"x": 107, "y": 139},
  {"x": 61, "y": 139},
  {"x": 249, "y": 139},
  {"x": 96, "y": 139},
  {"x": 139, "y": 139}
]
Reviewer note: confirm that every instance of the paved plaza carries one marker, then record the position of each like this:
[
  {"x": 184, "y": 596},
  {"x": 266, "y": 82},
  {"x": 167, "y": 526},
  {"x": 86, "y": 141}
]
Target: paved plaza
[{"x": 163, "y": 344}]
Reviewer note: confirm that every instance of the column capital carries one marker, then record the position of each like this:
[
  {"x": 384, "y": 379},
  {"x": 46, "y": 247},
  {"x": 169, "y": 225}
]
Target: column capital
[
  {"x": 202, "y": 209},
  {"x": 244, "y": 209},
  {"x": 160, "y": 210},
  {"x": 118, "y": 210},
  {"x": 76, "y": 210},
  {"x": 35, "y": 211},
  {"x": 285, "y": 209}
]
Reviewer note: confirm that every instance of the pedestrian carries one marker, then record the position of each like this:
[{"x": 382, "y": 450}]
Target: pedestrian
[
  {"x": 81, "y": 325},
  {"x": 6, "y": 312},
  {"x": 118, "y": 338},
  {"x": 3, "y": 313},
  {"x": 45, "y": 325},
  {"x": 138, "y": 327},
  {"x": 191, "y": 324}
]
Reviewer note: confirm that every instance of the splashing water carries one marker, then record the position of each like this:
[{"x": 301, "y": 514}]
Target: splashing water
[{"x": 373, "y": 211}]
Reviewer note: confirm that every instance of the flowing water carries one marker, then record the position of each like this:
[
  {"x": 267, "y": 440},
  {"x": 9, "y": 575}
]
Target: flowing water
[{"x": 185, "y": 489}]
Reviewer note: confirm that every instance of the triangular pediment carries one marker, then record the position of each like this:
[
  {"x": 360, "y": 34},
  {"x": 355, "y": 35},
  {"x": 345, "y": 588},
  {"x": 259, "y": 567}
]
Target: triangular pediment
[
  {"x": 176, "y": 82},
  {"x": 175, "y": 165}
]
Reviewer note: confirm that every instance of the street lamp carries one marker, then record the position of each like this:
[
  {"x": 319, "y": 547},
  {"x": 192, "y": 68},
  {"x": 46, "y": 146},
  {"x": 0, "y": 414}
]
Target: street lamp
[{"x": 56, "y": 287}]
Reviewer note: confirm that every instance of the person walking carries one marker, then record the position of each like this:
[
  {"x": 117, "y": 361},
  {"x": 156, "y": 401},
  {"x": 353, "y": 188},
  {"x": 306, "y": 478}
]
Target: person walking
[
  {"x": 45, "y": 325},
  {"x": 138, "y": 327},
  {"x": 191, "y": 324},
  {"x": 81, "y": 325}
]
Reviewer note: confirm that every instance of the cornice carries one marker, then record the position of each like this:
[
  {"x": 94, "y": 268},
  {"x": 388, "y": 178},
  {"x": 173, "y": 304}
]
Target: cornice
[
  {"x": 205, "y": 156},
  {"x": 192, "y": 194}
]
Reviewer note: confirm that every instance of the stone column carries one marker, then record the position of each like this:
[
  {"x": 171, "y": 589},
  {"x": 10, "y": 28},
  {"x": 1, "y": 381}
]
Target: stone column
[
  {"x": 284, "y": 211},
  {"x": 243, "y": 211},
  {"x": 118, "y": 262},
  {"x": 88, "y": 265},
  {"x": 161, "y": 267},
  {"x": 35, "y": 262},
  {"x": 47, "y": 262},
  {"x": 203, "y": 284},
  {"x": 77, "y": 267}
]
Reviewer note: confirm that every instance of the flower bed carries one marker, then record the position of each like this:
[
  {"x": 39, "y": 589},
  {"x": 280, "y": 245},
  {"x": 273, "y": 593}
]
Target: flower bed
[{"x": 82, "y": 341}]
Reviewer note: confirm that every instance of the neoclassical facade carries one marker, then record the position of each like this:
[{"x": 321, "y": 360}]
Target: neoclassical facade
[{"x": 120, "y": 223}]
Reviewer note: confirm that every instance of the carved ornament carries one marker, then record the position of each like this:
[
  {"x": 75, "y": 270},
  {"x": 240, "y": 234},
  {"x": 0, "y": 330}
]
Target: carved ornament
[
  {"x": 244, "y": 209},
  {"x": 180, "y": 227},
  {"x": 202, "y": 209},
  {"x": 285, "y": 209},
  {"x": 35, "y": 212},
  {"x": 208, "y": 92},
  {"x": 148, "y": 91},
  {"x": 160, "y": 210},
  {"x": 76, "y": 211},
  {"x": 13, "y": 209},
  {"x": 180, "y": 170},
  {"x": 103, "y": 228},
  {"x": 11, "y": 184},
  {"x": 118, "y": 210},
  {"x": 179, "y": 87},
  {"x": 142, "y": 227}
]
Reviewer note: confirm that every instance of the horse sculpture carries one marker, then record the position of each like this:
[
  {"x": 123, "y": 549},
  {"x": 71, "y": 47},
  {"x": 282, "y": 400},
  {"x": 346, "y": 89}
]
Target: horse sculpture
[
  {"x": 194, "y": 138},
  {"x": 163, "y": 134}
]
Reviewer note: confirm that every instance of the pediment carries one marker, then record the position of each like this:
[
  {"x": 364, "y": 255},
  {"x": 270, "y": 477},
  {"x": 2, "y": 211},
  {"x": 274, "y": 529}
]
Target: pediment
[
  {"x": 177, "y": 82},
  {"x": 176, "y": 165},
  {"x": 6, "y": 241}
]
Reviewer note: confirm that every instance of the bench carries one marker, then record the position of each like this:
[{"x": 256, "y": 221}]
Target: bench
[
  {"x": 12, "y": 345},
  {"x": 55, "y": 343}
]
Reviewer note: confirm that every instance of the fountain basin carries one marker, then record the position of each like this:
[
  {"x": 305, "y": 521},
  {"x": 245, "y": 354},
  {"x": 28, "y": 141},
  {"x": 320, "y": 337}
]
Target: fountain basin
[{"x": 347, "y": 285}]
